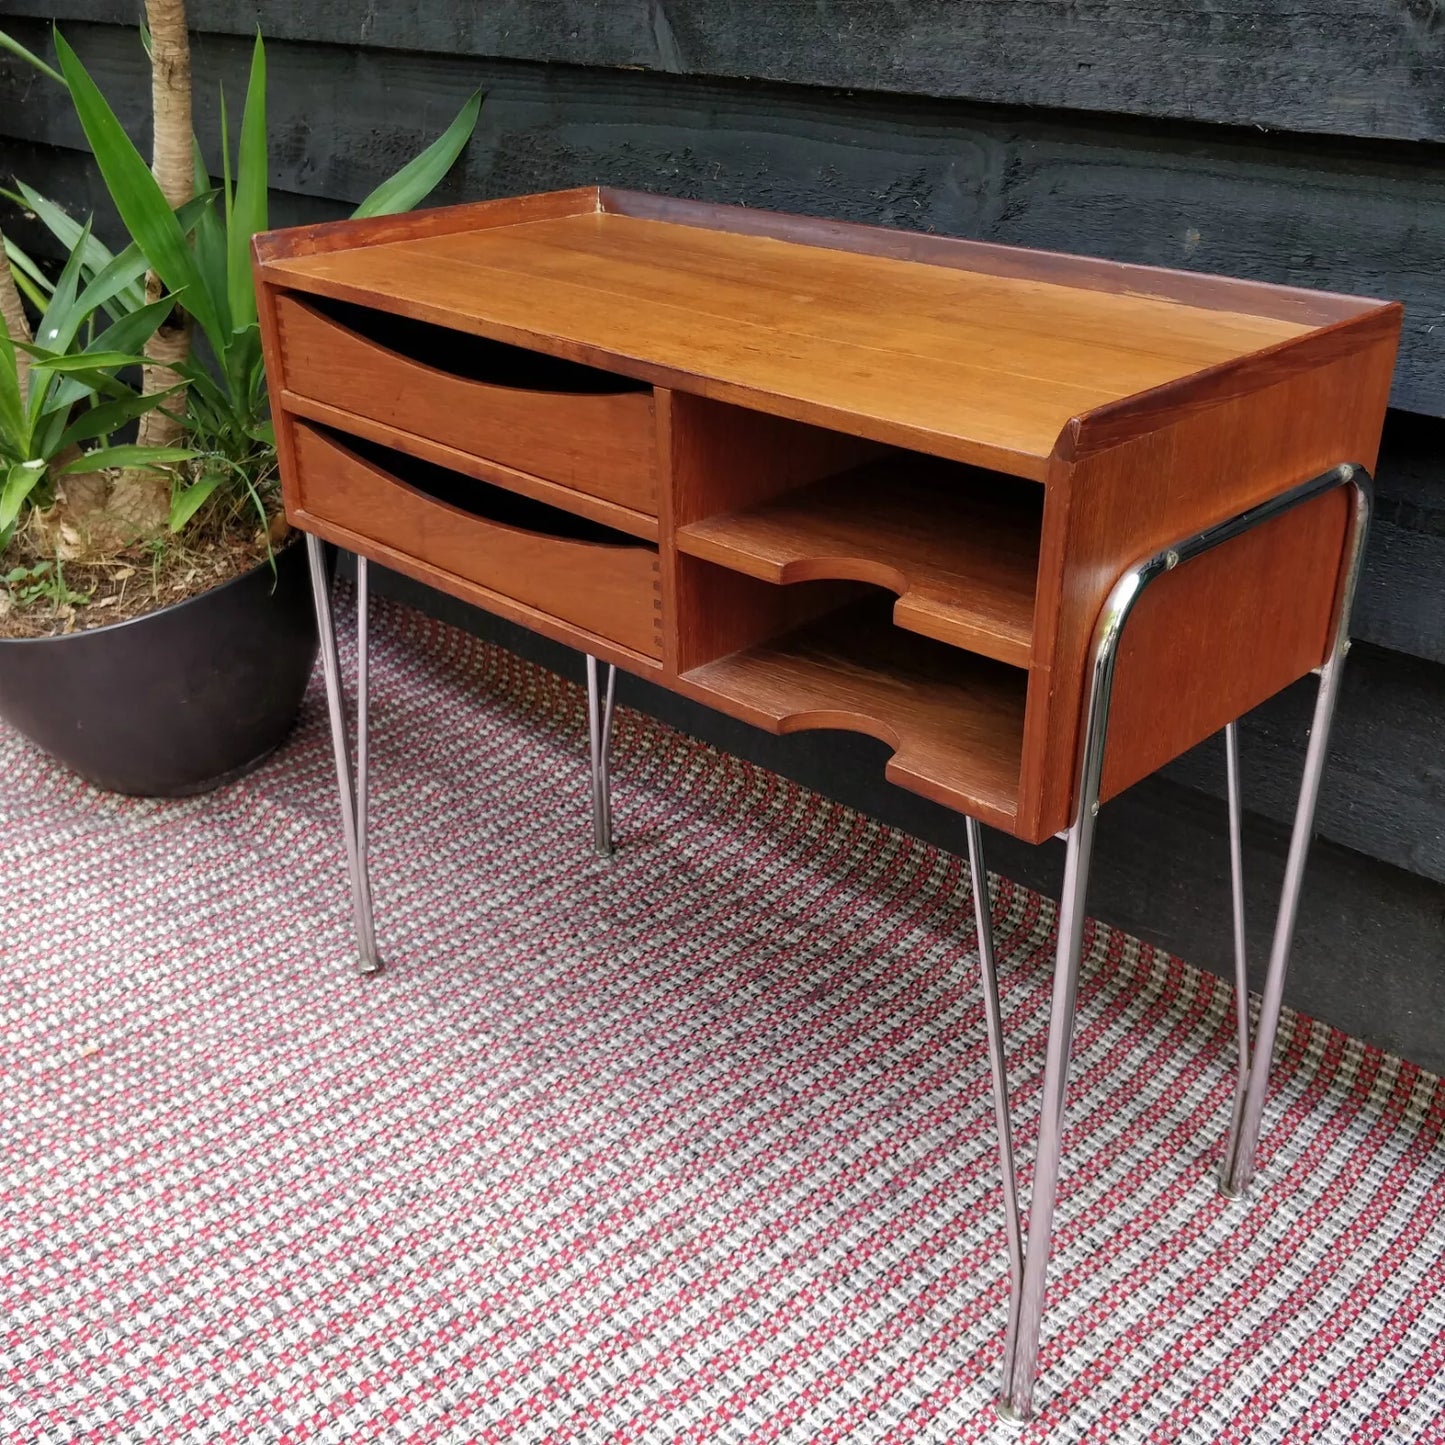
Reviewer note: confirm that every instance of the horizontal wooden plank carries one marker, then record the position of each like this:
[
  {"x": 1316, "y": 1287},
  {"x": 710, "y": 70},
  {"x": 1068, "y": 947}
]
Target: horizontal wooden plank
[
  {"x": 1401, "y": 601},
  {"x": 1384, "y": 788},
  {"x": 1337, "y": 67},
  {"x": 1267, "y": 208},
  {"x": 982, "y": 368}
]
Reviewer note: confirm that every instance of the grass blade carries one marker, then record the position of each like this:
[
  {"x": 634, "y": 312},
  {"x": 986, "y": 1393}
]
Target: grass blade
[
  {"x": 22, "y": 266},
  {"x": 130, "y": 334},
  {"x": 62, "y": 316},
  {"x": 20, "y": 481},
  {"x": 14, "y": 424},
  {"x": 65, "y": 228},
  {"x": 42, "y": 360},
  {"x": 419, "y": 177},
  {"x": 210, "y": 240},
  {"x": 28, "y": 289},
  {"x": 190, "y": 501},
  {"x": 204, "y": 385},
  {"x": 76, "y": 381},
  {"x": 119, "y": 286}
]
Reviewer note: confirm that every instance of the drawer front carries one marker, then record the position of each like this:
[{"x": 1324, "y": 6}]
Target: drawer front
[
  {"x": 457, "y": 390},
  {"x": 610, "y": 588}
]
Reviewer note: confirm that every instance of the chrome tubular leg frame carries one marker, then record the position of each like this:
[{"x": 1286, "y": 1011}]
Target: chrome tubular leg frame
[
  {"x": 998, "y": 1067},
  {"x": 599, "y": 736},
  {"x": 1026, "y": 1299},
  {"x": 353, "y": 792},
  {"x": 1236, "y": 891},
  {"x": 1238, "y": 1167}
]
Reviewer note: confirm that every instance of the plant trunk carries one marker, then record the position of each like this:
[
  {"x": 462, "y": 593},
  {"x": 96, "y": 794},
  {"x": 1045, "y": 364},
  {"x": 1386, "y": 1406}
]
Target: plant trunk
[
  {"x": 17, "y": 328},
  {"x": 144, "y": 497}
]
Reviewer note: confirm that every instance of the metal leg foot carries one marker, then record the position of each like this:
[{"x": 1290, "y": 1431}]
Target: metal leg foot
[
  {"x": 599, "y": 733},
  {"x": 353, "y": 794}
]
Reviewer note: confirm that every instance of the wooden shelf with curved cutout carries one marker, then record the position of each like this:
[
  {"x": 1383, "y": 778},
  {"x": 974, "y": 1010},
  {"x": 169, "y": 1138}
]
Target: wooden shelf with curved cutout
[
  {"x": 959, "y": 546},
  {"x": 954, "y": 720}
]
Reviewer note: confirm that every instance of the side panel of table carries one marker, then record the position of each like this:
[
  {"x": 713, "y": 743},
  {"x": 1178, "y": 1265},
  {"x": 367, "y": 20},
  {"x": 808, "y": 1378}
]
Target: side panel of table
[{"x": 1230, "y": 629}]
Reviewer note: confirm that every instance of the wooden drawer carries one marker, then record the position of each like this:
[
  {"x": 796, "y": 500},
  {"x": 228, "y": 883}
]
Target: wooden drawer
[
  {"x": 572, "y": 424},
  {"x": 552, "y": 561}
]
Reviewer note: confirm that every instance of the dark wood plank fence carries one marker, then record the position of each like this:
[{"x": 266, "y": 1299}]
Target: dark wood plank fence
[{"x": 1279, "y": 142}]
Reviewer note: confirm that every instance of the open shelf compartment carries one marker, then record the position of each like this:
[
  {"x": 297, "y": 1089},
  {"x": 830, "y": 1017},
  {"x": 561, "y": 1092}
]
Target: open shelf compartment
[
  {"x": 959, "y": 546},
  {"x": 954, "y": 719}
]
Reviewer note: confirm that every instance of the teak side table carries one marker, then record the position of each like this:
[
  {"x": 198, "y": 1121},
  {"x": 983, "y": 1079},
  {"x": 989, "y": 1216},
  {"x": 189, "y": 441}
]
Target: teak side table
[{"x": 1038, "y": 522}]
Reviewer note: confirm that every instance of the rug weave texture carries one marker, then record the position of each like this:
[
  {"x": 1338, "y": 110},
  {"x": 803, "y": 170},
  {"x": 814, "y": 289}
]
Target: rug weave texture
[{"x": 690, "y": 1145}]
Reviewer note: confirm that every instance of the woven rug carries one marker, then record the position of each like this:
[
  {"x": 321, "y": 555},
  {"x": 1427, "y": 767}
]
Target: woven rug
[{"x": 691, "y": 1145}]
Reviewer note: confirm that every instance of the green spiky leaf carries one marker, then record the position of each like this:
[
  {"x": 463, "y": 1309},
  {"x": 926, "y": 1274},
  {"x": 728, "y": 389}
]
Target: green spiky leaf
[
  {"x": 249, "y": 203},
  {"x": 8, "y": 42},
  {"x": 190, "y": 501},
  {"x": 103, "y": 419},
  {"x": 14, "y": 424},
  {"x": 21, "y": 479},
  {"x": 418, "y": 178},
  {"x": 137, "y": 197},
  {"x": 126, "y": 456}
]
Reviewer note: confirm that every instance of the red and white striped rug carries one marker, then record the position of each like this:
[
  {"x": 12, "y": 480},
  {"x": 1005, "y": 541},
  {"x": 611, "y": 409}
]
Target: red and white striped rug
[{"x": 692, "y": 1145}]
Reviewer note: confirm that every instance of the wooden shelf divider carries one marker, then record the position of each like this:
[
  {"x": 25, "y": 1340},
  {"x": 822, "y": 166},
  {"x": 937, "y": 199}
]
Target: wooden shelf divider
[
  {"x": 954, "y": 720},
  {"x": 959, "y": 546}
]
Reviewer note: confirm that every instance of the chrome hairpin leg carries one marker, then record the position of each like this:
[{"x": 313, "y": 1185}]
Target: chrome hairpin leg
[
  {"x": 1236, "y": 890},
  {"x": 1238, "y": 1166},
  {"x": 998, "y": 1067},
  {"x": 599, "y": 735},
  {"x": 1026, "y": 1297},
  {"x": 353, "y": 794}
]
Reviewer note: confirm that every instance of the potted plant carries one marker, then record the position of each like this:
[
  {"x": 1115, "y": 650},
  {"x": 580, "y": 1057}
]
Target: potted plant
[{"x": 157, "y": 632}]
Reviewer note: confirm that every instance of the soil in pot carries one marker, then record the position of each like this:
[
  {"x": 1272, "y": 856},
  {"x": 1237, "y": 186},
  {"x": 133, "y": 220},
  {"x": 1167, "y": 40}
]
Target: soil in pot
[{"x": 44, "y": 596}]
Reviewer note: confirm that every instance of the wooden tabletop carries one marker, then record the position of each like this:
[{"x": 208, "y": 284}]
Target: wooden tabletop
[{"x": 984, "y": 368}]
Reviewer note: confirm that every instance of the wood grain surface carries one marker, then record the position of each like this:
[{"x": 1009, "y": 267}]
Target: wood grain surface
[
  {"x": 1116, "y": 506},
  {"x": 581, "y": 504},
  {"x": 601, "y": 442},
  {"x": 983, "y": 369},
  {"x": 715, "y": 458},
  {"x": 606, "y": 588},
  {"x": 960, "y": 548},
  {"x": 955, "y": 722}
]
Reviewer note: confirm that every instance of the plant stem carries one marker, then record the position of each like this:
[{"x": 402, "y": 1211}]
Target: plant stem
[
  {"x": 17, "y": 327},
  {"x": 173, "y": 168}
]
